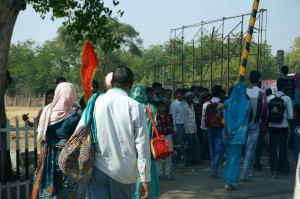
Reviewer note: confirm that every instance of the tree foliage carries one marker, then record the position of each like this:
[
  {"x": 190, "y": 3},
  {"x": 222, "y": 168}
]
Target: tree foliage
[
  {"x": 294, "y": 56},
  {"x": 42, "y": 64},
  {"x": 85, "y": 20},
  {"x": 61, "y": 57}
]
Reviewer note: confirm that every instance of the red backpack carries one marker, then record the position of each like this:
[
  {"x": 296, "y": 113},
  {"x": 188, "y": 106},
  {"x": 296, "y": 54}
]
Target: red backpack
[{"x": 213, "y": 119}]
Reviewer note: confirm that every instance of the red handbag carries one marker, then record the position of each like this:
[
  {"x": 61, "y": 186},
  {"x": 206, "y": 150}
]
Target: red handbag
[{"x": 159, "y": 145}]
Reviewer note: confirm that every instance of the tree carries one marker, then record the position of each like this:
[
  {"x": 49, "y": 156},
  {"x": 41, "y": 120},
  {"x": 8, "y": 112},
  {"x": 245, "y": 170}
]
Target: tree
[
  {"x": 294, "y": 56},
  {"x": 83, "y": 19},
  {"x": 61, "y": 57},
  {"x": 132, "y": 40},
  {"x": 21, "y": 66}
]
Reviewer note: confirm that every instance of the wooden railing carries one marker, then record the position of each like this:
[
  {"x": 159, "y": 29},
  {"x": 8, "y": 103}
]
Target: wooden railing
[{"x": 18, "y": 145}]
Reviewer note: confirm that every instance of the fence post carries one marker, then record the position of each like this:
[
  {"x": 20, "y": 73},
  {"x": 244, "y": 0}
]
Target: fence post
[
  {"x": 6, "y": 181},
  {"x": 26, "y": 162},
  {"x": 18, "y": 158},
  {"x": 35, "y": 143},
  {"x": 3, "y": 166}
]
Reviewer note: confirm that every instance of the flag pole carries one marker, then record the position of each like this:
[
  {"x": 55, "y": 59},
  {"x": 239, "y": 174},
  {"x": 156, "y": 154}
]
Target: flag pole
[
  {"x": 242, "y": 69},
  {"x": 89, "y": 63}
]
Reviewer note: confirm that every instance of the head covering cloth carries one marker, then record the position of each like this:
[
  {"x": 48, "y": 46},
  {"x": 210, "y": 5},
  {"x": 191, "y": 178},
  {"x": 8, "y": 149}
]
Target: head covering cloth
[
  {"x": 59, "y": 110},
  {"x": 138, "y": 93}
]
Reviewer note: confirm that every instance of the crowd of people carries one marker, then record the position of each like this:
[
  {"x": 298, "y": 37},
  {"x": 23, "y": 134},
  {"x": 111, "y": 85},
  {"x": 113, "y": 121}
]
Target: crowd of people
[{"x": 199, "y": 126}]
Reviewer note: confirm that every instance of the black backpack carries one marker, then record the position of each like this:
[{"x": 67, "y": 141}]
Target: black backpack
[{"x": 276, "y": 109}]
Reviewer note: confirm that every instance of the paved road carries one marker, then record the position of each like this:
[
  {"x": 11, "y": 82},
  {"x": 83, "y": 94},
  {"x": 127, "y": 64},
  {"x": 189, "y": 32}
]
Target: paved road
[{"x": 195, "y": 182}]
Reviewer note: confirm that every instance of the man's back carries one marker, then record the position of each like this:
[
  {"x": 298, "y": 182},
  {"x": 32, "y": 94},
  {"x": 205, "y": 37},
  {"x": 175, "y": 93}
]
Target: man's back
[
  {"x": 256, "y": 96},
  {"x": 122, "y": 134}
]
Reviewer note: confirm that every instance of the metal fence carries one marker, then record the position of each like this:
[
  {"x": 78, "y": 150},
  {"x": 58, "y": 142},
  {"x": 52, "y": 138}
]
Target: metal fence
[{"x": 18, "y": 145}]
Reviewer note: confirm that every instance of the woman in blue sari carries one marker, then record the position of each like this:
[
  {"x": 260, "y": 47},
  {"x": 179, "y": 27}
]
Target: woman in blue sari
[
  {"x": 138, "y": 93},
  {"x": 234, "y": 133},
  {"x": 57, "y": 123}
]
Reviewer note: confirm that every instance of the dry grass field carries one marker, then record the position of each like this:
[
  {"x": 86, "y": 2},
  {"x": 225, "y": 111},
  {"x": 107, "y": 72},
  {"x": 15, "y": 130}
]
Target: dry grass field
[{"x": 17, "y": 112}]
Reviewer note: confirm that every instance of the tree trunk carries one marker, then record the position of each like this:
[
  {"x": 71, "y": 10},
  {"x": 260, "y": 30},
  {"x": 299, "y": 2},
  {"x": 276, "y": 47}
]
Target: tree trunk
[{"x": 9, "y": 11}]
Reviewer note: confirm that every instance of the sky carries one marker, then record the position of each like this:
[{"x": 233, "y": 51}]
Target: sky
[{"x": 154, "y": 19}]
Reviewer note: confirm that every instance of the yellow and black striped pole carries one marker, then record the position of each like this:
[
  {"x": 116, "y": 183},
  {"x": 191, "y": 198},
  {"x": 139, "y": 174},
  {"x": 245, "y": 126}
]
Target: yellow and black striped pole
[{"x": 246, "y": 50}]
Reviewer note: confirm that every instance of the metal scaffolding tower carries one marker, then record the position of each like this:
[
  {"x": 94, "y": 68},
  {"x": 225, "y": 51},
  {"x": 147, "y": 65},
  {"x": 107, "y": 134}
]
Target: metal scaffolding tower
[{"x": 209, "y": 52}]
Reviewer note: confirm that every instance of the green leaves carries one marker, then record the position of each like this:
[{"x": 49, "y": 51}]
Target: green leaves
[
  {"x": 115, "y": 2},
  {"x": 84, "y": 20},
  {"x": 294, "y": 56},
  {"x": 42, "y": 64},
  {"x": 22, "y": 66}
]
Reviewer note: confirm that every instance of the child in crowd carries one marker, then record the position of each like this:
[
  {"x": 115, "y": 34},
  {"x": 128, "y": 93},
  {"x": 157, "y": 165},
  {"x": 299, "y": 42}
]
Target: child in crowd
[{"x": 165, "y": 127}]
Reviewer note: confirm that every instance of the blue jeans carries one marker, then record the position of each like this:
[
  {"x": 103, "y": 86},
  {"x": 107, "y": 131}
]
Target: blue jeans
[
  {"x": 104, "y": 187},
  {"x": 179, "y": 142},
  {"x": 232, "y": 166},
  {"x": 216, "y": 146},
  {"x": 253, "y": 132},
  {"x": 259, "y": 148},
  {"x": 192, "y": 155}
]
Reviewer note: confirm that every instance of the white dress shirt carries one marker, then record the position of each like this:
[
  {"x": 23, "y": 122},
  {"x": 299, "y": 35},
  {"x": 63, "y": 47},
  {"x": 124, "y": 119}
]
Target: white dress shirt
[
  {"x": 177, "y": 111},
  {"x": 203, "y": 123},
  {"x": 288, "y": 112},
  {"x": 123, "y": 147},
  {"x": 190, "y": 126}
]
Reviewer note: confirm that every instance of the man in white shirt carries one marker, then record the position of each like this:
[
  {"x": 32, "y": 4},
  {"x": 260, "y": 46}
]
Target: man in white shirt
[
  {"x": 123, "y": 147},
  {"x": 177, "y": 111},
  {"x": 192, "y": 155},
  {"x": 278, "y": 133}
]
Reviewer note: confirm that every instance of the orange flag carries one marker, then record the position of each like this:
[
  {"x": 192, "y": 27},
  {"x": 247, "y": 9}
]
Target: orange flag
[{"x": 89, "y": 63}]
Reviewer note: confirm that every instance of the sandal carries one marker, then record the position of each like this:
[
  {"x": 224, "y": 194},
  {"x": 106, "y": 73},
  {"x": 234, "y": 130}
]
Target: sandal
[{"x": 229, "y": 187}]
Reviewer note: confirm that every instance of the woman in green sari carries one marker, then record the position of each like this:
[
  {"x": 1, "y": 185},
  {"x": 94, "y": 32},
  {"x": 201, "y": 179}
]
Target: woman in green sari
[{"x": 138, "y": 93}]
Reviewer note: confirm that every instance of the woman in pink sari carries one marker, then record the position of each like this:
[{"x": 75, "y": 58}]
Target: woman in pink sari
[{"x": 57, "y": 123}]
